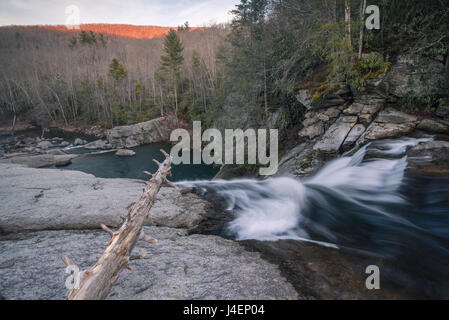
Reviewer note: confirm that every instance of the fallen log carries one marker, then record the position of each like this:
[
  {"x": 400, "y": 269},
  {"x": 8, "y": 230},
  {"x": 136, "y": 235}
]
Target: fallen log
[{"x": 96, "y": 282}]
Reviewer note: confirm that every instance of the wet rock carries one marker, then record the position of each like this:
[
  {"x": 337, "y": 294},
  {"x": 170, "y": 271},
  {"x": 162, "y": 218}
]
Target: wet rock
[
  {"x": 79, "y": 142},
  {"x": 63, "y": 160},
  {"x": 98, "y": 144},
  {"x": 64, "y": 144},
  {"x": 125, "y": 153},
  {"x": 57, "y": 152},
  {"x": 433, "y": 126},
  {"x": 335, "y": 135},
  {"x": 430, "y": 157},
  {"x": 42, "y": 199},
  {"x": 178, "y": 267}
]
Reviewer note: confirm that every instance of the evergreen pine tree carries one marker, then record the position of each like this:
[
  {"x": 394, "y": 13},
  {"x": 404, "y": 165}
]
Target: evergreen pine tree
[{"x": 172, "y": 61}]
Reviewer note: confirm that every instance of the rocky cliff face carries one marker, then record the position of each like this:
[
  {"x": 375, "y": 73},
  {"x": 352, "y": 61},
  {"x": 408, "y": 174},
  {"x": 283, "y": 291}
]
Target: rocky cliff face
[
  {"x": 151, "y": 131},
  {"x": 341, "y": 123}
]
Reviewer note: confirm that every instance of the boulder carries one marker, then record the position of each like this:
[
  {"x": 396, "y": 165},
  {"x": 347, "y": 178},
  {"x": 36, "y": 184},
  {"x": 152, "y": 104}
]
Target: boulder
[
  {"x": 63, "y": 160},
  {"x": 79, "y": 142},
  {"x": 389, "y": 123},
  {"x": 433, "y": 126},
  {"x": 47, "y": 199},
  {"x": 385, "y": 130},
  {"x": 64, "y": 144},
  {"x": 390, "y": 115},
  {"x": 56, "y": 152},
  {"x": 155, "y": 130},
  {"x": 335, "y": 135},
  {"x": 179, "y": 267},
  {"x": 44, "y": 144},
  {"x": 98, "y": 144},
  {"x": 125, "y": 153},
  {"x": 430, "y": 157},
  {"x": 442, "y": 111}
]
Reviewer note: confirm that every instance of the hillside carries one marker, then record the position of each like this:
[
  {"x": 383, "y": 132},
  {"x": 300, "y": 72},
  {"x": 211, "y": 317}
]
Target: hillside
[{"x": 123, "y": 30}]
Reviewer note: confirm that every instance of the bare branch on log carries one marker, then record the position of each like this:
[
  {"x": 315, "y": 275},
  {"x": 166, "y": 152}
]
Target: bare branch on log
[
  {"x": 66, "y": 261},
  {"x": 144, "y": 237},
  {"x": 148, "y": 173},
  {"x": 171, "y": 184},
  {"x": 105, "y": 228},
  {"x": 143, "y": 256},
  {"x": 97, "y": 281}
]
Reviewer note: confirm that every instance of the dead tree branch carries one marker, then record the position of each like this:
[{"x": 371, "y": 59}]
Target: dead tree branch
[{"x": 97, "y": 281}]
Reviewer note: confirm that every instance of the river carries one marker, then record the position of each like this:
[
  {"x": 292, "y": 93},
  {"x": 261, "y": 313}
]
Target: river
[
  {"x": 368, "y": 204},
  {"x": 106, "y": 164}
]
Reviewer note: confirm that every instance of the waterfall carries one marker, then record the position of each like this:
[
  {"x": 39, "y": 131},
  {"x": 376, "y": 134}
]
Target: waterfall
[{"x": 357, "y": 202}]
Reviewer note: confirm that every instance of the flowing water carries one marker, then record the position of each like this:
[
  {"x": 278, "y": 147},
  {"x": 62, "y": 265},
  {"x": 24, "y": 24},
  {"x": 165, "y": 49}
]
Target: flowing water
[{"x": 367, "y": 203}]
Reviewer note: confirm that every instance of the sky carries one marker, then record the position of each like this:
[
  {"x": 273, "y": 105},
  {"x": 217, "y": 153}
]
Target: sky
[{"x": 137, "y": 12}]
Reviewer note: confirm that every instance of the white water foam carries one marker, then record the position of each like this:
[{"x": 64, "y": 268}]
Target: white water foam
[{"x": 289, "y": 208}]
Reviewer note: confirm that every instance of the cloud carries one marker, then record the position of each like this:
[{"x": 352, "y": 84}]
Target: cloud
[{"x": 139, "y": 12}]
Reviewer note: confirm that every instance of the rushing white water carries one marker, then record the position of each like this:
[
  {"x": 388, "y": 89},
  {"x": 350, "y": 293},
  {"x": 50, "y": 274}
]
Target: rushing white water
[{"x": 348, "y": 191}]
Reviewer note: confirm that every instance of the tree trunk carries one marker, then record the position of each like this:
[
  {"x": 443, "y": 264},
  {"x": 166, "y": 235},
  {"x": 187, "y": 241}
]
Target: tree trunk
[
  {"x": 362, "y": 27},
  {"x": 348, "y": 21},
  {"x": 96, "y": 282},
  {"x": 176, "y": 100},
  {"x": 265, "y": 87},
  {"x": 13, "y": 121}
]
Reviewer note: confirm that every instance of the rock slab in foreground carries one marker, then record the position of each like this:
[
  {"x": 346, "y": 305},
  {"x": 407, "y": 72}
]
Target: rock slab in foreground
[
  {"x": 179, "y": 267},
  {"x": 52, "y": 199}
]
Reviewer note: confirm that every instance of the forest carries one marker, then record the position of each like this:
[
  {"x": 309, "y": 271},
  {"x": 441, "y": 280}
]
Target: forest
[{"x": 224, "y": 75}]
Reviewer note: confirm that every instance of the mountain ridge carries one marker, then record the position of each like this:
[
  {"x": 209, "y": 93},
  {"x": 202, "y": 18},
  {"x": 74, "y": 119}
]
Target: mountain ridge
[{"x": 123, "y": 30}]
